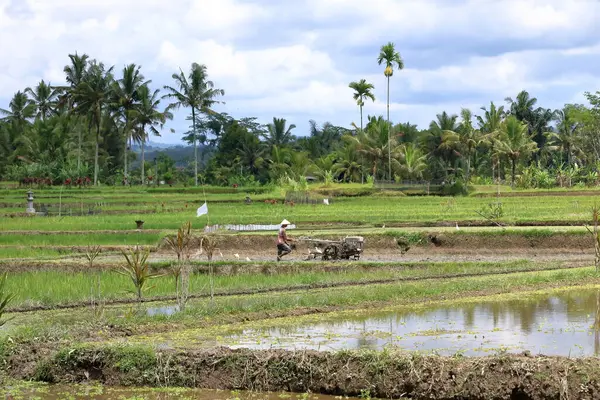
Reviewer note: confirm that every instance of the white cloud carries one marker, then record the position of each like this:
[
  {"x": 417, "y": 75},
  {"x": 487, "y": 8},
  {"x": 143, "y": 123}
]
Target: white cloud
[{"x": 306, "y": 75}]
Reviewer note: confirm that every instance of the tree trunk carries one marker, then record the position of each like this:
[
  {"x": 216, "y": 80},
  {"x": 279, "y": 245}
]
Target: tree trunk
[
  {"x": 142, "y": 144},
  {"x": 389, "y": 131},
  {"x": 361, "y": 118},
  {"x": 125, "y": 150},
  {"x": 195, "y": 147},
  {"x": 96, "y": 155},
  {"x": 78, "y": 144},
  {"x": 514, "y": 167}
]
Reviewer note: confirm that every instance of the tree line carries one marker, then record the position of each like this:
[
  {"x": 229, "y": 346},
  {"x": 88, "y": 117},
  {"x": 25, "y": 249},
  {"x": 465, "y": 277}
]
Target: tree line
[{"x": 83, "y": 132}]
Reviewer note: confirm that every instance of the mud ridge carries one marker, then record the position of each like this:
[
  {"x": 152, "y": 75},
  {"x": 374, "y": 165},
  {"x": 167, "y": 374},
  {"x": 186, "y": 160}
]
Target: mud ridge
[
  {"x": 389, "y": 374},
  {"x": 313, "y": 286}
]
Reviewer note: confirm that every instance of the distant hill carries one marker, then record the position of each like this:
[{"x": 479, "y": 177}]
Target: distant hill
[{"x": 180, "y": 154}]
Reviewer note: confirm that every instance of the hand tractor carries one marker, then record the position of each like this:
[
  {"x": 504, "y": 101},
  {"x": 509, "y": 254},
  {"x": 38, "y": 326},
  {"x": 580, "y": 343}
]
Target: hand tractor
[{"x": 351, "y": 247}]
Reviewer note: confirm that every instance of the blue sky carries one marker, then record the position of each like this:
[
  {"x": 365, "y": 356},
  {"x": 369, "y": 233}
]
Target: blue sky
[{"x": 294, "y": 59}]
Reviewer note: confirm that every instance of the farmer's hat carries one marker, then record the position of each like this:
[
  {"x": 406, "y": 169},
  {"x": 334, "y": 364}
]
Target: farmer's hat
[{"x": 285, "y": 222}]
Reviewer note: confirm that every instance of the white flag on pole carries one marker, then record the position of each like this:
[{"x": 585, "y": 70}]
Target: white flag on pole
[
  {"x": 202, "y": 210},
  {"x": 326, "y": 201}
]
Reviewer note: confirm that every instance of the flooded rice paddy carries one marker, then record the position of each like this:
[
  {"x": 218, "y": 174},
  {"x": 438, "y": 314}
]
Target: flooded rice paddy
[
  {"x": 28, "y": 390},
  {"x": 562, "y": 323}
]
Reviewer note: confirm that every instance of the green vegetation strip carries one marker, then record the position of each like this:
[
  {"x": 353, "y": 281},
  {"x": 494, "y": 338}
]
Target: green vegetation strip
[
  {"x": 384, "y": 374},
  {"x": 367, "y": 211},
  {"x": 47, "y": 289}
]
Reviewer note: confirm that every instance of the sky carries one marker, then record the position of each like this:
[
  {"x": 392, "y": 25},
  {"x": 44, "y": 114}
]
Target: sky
[{"x": 295, "y": 59}]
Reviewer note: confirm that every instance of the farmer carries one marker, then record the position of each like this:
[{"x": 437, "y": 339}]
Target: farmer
[{"x": 283, "y": 247}]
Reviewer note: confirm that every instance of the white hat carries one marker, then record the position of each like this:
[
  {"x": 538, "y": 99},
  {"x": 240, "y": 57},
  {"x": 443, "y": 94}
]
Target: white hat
[{"x": 285, "y": 222}]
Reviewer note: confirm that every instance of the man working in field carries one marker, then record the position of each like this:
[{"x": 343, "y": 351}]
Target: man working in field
[{"x": 283, "y": 247}]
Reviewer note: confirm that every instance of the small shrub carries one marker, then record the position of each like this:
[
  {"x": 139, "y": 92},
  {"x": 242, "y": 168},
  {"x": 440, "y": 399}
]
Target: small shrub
[{"x": 137, "y": 269}]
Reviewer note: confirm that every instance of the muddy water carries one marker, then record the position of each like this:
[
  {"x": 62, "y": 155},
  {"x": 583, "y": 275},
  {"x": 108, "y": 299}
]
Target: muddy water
[
  {"x": 564, "y": 323},
  {"x": 26, "y": 390}
]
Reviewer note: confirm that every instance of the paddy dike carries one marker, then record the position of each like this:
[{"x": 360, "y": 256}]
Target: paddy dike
[{"x": 386, "y": 374}]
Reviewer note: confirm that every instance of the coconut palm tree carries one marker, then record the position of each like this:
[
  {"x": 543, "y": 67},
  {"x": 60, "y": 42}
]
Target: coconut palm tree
[
  {"x": 362, "y": 92},
  {"x": 92, "y": 97},
  {"x": 20, "y": 110},
  {"x": 196, "y": 92},
  {"x": 464, "y": 140},
  {"x": 44, "y": 96},
  {"x": 392, "y": 59},
  {"x": 489, "y": 126},
  {"x": 125, "y": 100},
  {"x": 74, "y": 76},
  {"x": 565, "y": 140},
  {"x": 278, "y": 133},
  {"x": 514, "y": 142},
  {"x": 414, "y": 162},
  {"x": 146, "y": 117},
  {"x": 373, "y": 143},
  {"x": 347, "y": 164}
]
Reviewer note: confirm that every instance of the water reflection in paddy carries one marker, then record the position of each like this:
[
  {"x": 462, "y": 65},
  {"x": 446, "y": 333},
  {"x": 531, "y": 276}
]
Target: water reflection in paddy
[{"x": 564, "y": 323}]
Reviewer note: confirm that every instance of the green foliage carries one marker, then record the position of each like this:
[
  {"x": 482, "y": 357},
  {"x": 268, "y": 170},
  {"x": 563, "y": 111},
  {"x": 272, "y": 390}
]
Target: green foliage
[
  {"x": 6, "y": 297},
  {"x": 137, "y": 270}
]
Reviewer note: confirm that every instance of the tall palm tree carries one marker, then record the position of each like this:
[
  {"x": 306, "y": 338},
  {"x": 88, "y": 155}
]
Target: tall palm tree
[
  {"x": 489, "y": 126},
  {"x": 74, "y": 76},
  {"x": 126, "y": 97},
  {"x": 392, "y": 59},
  {"x": 196, "y": 92},
  {"x": 515, "y": 142},
  {"x": 146, "y": 117},
  {"x": 92, "y": 97},
  {"x": 44, "y": 96},
  {"x": 434, "y": 143},
  {"x": 464, "y": 140},
  {"x": 565, "y": 139},
  {"x": 362, "y": 92},
  {"x": 278, "y": 133}
]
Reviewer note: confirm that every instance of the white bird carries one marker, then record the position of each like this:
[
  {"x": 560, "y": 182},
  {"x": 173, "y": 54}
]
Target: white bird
[
  {"x": 247, "y": 258},
  {"x": 457, "y": 228},
  {"x": 237, "y": 256}
]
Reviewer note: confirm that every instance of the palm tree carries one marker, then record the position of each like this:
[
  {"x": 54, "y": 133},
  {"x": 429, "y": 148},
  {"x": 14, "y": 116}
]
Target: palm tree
[
  {"x": 392, "y": 59},
  {"x": 347, "y": 163},
  {"x": 565, "y": 139},
  {"x": 414, "y": 162},
  {"x": 278, "y": 134},
  {"x": 44, "y": 97},
  {"x": 20, "y": 110},
  {"x": 514, "y": 142},
  {"x": 373, "y": 143},
  {"x": 91, "y": 96},
  {"x": 16, "y": 123},
  {"x": 464, "y": 140},
  {"x": 146, "y": 116},
  {"x": 125, "y": 100},
  {"x": 74, "y": 76},
  {"x": 489, "y": 126},
  {"x": 434, "y": 144},
  {"x": 196, "y": 92},
  {"x": 362, "y": 92}
]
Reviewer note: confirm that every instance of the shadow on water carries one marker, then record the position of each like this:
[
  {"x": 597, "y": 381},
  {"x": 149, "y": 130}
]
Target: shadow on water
[
  {"x": 563, "y": 324},
  {"x": 27, "y": 390}
]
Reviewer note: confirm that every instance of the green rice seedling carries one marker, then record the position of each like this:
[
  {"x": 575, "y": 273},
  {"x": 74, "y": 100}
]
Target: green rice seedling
[
  {"x": 180, "y": 244},
  {"x": 137, "y": 269},
  {"x": 91, "y": 253},
  {"x": 5, "y": 297},
  {"x": 209, "y": 244}
]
